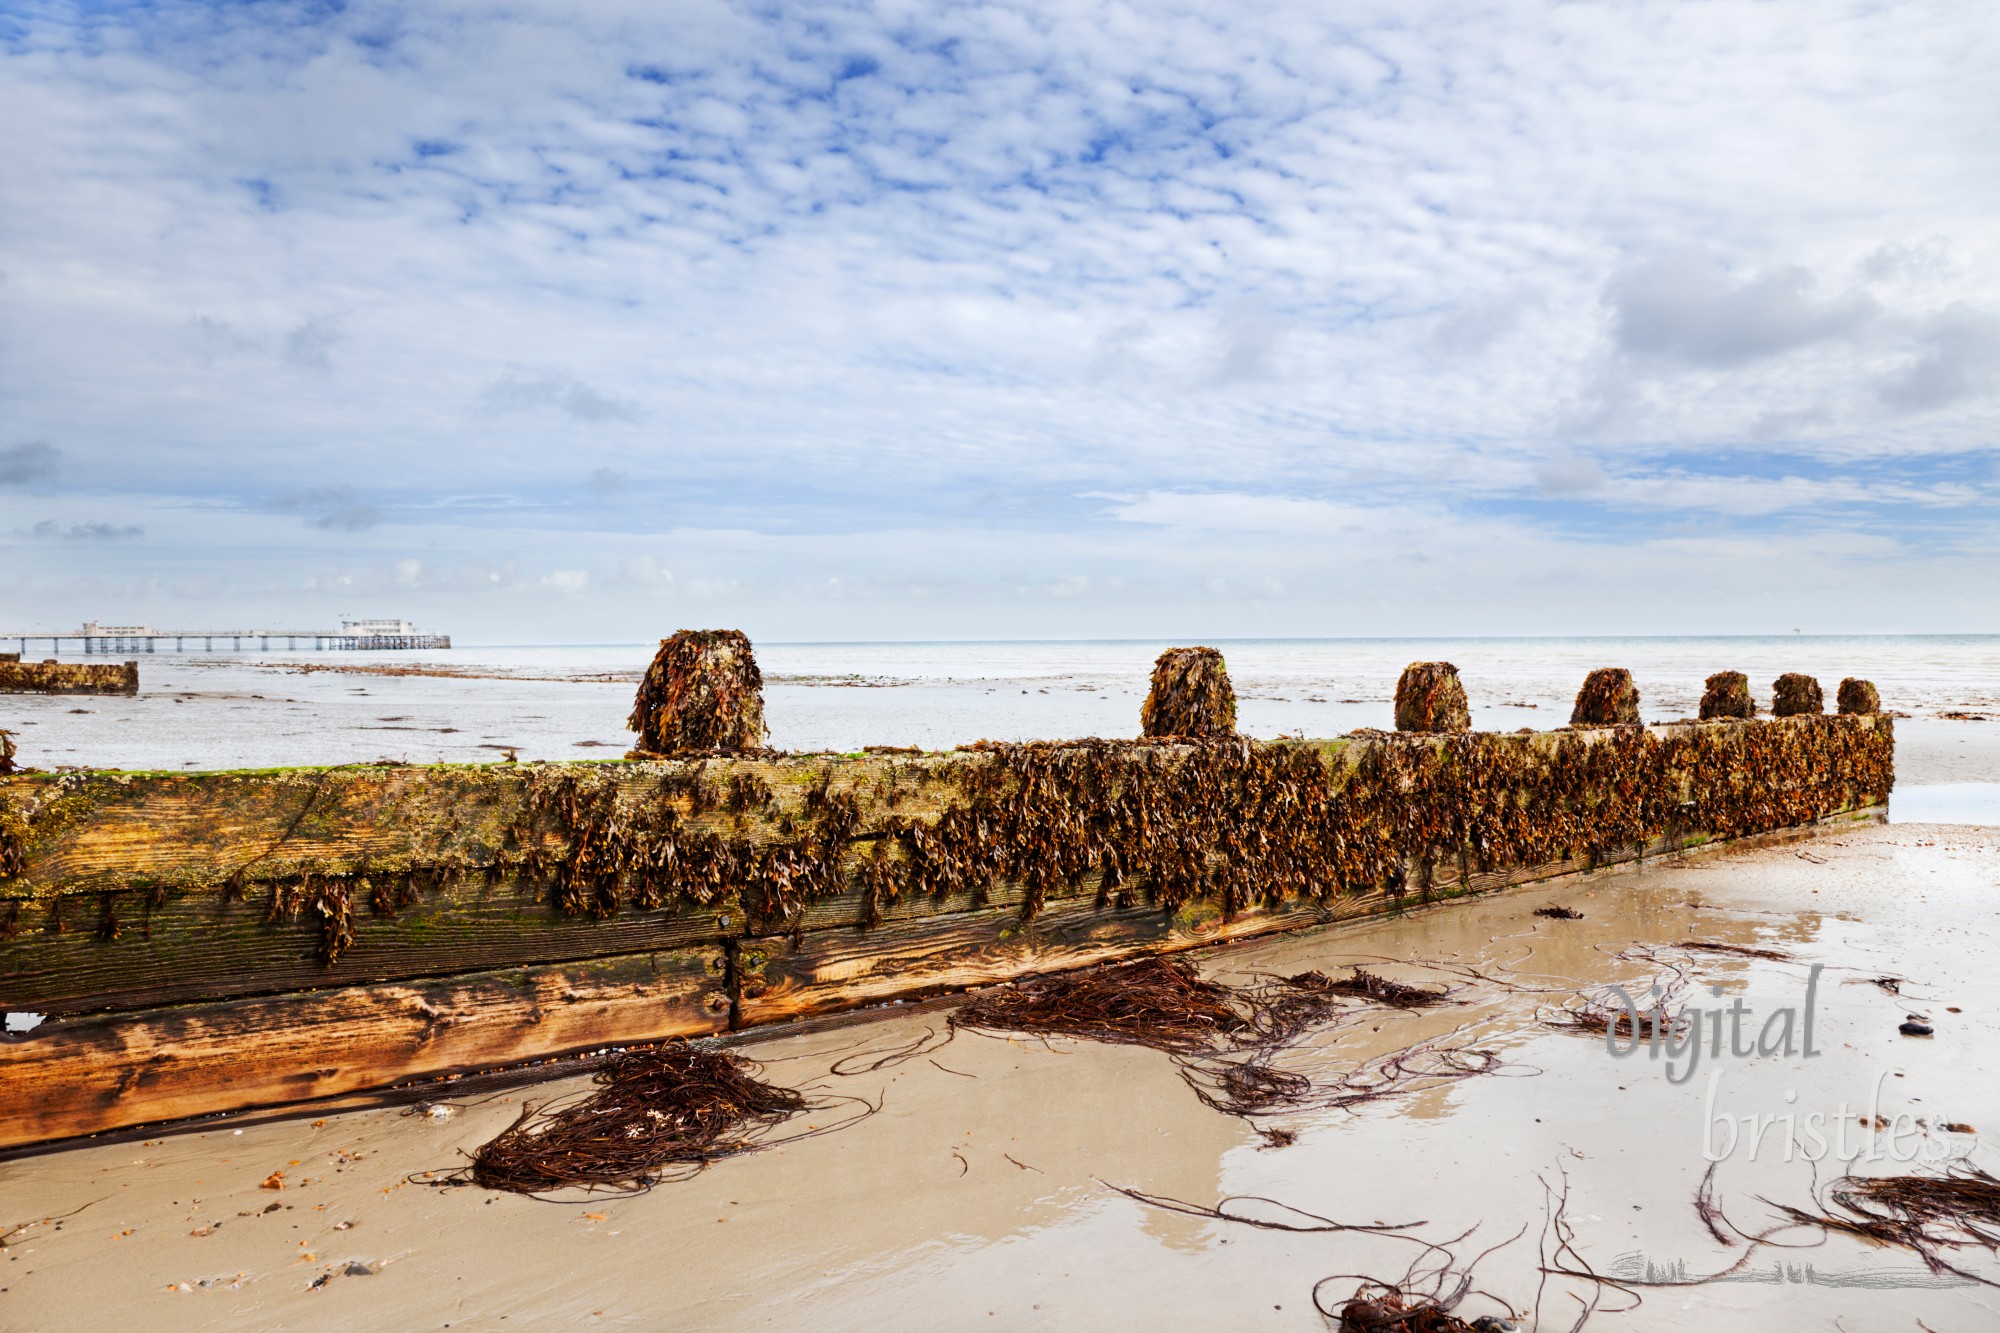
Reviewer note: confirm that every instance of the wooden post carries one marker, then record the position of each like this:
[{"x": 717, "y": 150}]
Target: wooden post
[
  {"x": 703, "y": 694},
  {"x": 1608, "y": 699},
  {"x": 1794, "y": 695},
  {"x": 1191, "y": 695},
  {"x": 1858, "y": 696},
  {"x": 1429, "y": 697},
  {"x": 1726, "y": 695}
]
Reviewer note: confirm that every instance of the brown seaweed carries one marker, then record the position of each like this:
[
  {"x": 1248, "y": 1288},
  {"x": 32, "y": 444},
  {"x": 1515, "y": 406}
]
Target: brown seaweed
[
  {"x": 1928, "y": 1215},
  {"x": 1600, "y": 1014},
  {"x": 1157, "y": 1002},
  {"x": 1226, "y": 1040},
  {"x": 1734, "y": 950},
  {"x": 1858, "y": 696},
  {"x": 703, "y": 694},
  {"x": 1608, "y": 699},
  {"x": 1727, "y": 694},
  {"x": 656, "y": 1115},
  {"x": 1190, "y": 695},
  {"x": 1366, "y": 985},
  {"x": 1796, "y": 695},
  {"x": 1430, "y": 698}
]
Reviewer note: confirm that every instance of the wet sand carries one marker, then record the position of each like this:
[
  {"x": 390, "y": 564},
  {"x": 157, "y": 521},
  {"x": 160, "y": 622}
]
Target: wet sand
[{"x": 978, "y": 1194}]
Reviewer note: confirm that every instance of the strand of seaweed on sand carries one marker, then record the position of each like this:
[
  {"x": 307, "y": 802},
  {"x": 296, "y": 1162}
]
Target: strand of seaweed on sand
[
  {"x": 1436, "y": 1283},
  {"x": 655, "y": 1116}
]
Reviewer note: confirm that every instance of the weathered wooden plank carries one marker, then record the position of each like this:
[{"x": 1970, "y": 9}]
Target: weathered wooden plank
[
  {"x": 118, "y": 951},
  {"x": 913, "y": 954},
  {"x": 96, "y": 831},
  {"x": 82, "y": 1076},
  {"x": 783, "y": 978}
]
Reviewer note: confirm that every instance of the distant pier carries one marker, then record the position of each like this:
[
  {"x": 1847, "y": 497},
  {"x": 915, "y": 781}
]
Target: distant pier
[{"x": 352, "y": 636}]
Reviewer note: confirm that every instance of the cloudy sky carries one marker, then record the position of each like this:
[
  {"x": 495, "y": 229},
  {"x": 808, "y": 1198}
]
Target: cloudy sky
[{"x": 584, "y": 321}]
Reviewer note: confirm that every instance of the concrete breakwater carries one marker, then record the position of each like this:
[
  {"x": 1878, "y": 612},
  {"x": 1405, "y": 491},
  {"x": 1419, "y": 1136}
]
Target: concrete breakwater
[
  {"x": 53, "y": 677},
  {"x": 205, "y": 942}
]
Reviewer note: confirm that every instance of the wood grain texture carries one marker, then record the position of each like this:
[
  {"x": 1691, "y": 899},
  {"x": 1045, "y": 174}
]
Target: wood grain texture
[
  {"x": 784, "y": 978},
  {"x": 81, "y": 1076},
  {"x": 780, "y": 978},
  {"x": 208, "y": 946}
]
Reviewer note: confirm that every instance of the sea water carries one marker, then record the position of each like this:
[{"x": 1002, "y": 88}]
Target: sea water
[{"x": 202, "y": 711}]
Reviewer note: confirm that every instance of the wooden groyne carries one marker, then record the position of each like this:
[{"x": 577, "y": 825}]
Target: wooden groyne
[
  {"x": 205, "y": 942},
  {"x": 53, "y": 677}
]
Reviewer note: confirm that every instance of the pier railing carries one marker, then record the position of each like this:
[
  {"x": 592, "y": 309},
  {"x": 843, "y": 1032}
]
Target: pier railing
[{"x": 223, "y": 641}]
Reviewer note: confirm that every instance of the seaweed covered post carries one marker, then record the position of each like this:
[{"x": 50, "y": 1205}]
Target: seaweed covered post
[
  {"x": 1856, "y": 696},
  {"x": 1608, "y": 699},
  {"x": 1727, "y": 694},
  {"x": 1191, "y": 695},
  {"x": 7, "y": 752},
  {"x": 703, "y": 694},
  {"x": 53, "y": 677},
  {"x": 1430, "y": 697},
  {"x": 1795, "y": 695}
]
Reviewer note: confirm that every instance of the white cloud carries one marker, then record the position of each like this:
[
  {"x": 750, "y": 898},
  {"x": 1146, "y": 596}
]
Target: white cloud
[
  {"x": 29, "y": 463},
  {"x": 924, "y": 283},
  {"x": 518, "y": 392},
  {"x": 1960, "y": 359},
  {"x": 1687, "y": 306},
  {"x": 309, "y": 346},
  {"x": 1569, "y": 474}
]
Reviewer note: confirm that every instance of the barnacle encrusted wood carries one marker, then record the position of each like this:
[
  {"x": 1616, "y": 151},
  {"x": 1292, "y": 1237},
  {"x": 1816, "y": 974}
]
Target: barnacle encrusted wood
[
  {"x": 1727, "y": 694},
  {"x": 703, "y": 694},
  {"x": 1191, "y": 695},
  {"x": 1430, "y": 697},
  {"x": 1796, "y": 695},
  {"x": 1858, "y": 696},
  {"x": 1608, "y": 699}
]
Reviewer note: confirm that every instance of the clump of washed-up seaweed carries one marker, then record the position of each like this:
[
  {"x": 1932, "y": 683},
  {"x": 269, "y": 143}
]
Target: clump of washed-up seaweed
[
  {"x": 655, "y": 1115},
  {"x": 1228, "y": 1041}
]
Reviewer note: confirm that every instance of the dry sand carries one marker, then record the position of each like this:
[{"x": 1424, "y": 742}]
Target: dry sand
[{"x": 974, "y": 1198}]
